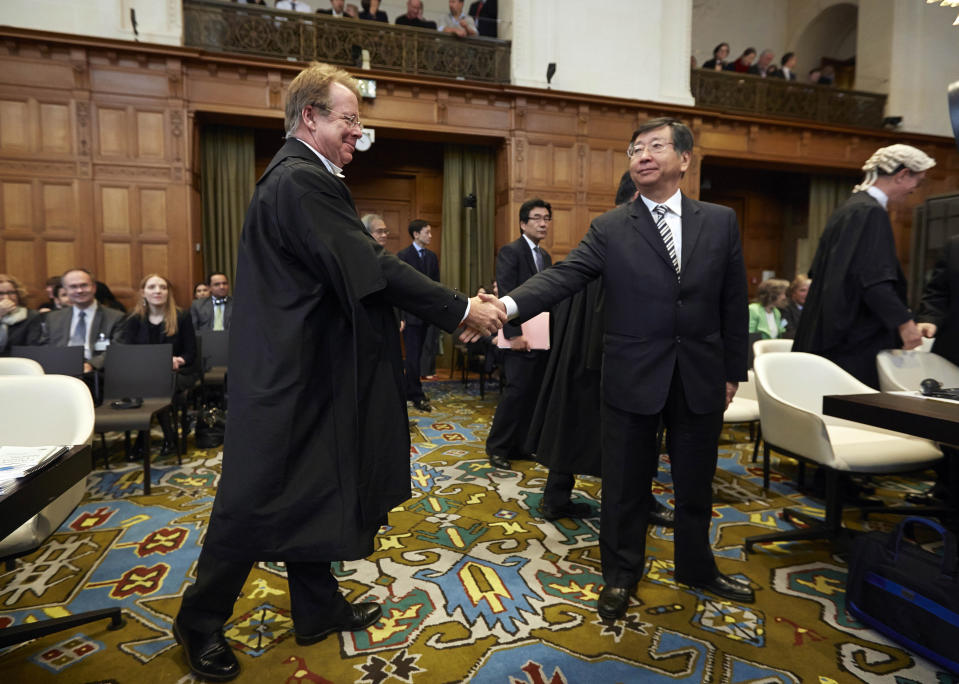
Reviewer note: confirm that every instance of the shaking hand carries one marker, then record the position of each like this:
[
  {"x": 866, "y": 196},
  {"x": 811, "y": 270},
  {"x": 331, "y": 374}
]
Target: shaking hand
[{"x": 487, "y": 315}]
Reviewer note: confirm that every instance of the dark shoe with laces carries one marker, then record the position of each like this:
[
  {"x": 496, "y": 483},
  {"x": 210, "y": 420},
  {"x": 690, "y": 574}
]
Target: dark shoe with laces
[
  {"x": 208, "y": 655},
  {"x": 358, "y": 616},
  {"x": 613, "y": 602},
  {"x": 567, "y": 510},
  {"x": 422, "y": 405},
  {"x": 728, "y": 588},
  {"x": 661, "y": 515},
  {"x": 500, "y": 461}
]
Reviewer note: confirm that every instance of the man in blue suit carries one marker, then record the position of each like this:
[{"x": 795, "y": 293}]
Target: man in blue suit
[{"x": 674, "y": 350}]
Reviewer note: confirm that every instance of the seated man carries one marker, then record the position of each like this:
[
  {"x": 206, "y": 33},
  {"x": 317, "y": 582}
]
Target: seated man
[
  {"x": 82, "y": 324},
  {"x": 414, "y": 16},
  {"x": 339, "y": 8},
  {"x": 458, "y": 21},
  {"x": 214, "y": 312}
]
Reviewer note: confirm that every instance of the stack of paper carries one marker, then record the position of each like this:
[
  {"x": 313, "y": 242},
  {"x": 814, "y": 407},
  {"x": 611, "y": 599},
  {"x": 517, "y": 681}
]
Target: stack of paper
[{"x": 17, "y": 461}]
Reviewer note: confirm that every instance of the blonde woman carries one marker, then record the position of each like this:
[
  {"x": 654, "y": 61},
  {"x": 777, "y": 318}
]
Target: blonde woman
[
  {"x": 764, "y": 316},
  {"x": 15, "y": 317}
]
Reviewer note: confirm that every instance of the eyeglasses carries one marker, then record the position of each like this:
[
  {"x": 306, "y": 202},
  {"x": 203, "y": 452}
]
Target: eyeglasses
[
  {"x": 381, "y": 231},
  {"x": 545, "y": 218},
  {"x": 655, "y": 148},
  {"x": 352, "y": 120},
  {"x": 8, "y": 293}
]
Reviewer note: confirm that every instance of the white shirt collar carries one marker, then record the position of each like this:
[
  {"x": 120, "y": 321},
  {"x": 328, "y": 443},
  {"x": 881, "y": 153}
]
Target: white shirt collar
[
  {"x": 878, "y": 195},
  {"x": 532, "y": 245},
  {"x": 674, "y": 203},
  {"x": 330, "y": 166},
  {"x": 89, "y": 312}
]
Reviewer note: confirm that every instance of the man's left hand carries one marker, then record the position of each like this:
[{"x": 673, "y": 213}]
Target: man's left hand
[
  {"x": 487, "y": 315},
  {"x": 731, "y": 388}
]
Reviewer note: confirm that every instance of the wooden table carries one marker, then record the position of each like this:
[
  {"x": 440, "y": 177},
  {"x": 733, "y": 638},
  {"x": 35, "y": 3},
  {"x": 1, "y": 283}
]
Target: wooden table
[{"x": 929, "y": 418}]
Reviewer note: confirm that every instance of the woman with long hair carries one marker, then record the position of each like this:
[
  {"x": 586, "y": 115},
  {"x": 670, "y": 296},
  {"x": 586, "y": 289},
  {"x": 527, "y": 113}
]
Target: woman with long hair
[
  {"x": 15, "y": 317},
  {"x": 157, "y": 320}
]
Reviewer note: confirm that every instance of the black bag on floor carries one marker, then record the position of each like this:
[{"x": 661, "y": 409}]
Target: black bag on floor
[
  {"x": 210, "y": 427},
  {"x": 909, "y": 594}
]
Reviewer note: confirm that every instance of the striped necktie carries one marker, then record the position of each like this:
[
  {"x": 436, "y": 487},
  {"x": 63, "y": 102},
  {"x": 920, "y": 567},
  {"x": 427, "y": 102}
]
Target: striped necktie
[
  {"x": 667, "y": 234},
  {"x": 538, "y": 258}
]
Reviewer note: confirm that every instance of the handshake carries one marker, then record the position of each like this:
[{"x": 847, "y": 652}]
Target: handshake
[{"x": 487, "y": 314}]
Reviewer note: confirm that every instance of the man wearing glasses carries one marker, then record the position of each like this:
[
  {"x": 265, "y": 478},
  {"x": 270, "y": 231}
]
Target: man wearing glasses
[
  {"x": 674, "y": 350},
  {"x": 317, "y": 438}
]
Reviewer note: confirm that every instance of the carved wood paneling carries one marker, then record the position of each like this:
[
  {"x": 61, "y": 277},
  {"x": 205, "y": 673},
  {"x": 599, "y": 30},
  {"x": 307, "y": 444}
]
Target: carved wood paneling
[
  {"x": 117, "y": 266},
  {"x": 151, "y": 134},
  {"x": 56, "y": 133},
  {"x": 60, "y": 255},
  {"x": 115, "y": 210},
  {"x": 113, "y": 132},
  {"x": 17, "y": 206},
  {"x": 59, "y": 206},
  {"x": 153, "y": 212},
  {"x": 20, "y": 256},
  {"x": 14, "y": 126}
]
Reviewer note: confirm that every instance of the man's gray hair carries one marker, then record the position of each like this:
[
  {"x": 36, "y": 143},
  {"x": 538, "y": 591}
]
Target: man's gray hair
[{"x": 368, "y": 219}]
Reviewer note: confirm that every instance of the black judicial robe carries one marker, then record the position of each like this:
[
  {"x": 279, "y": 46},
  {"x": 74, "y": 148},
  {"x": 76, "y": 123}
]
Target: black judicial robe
[
  {"x": 564, "y": 431},
  {"x": 940, "y": 302},
  {"x": 317, "y": 438},
  {"x": 857, "y": 299}
]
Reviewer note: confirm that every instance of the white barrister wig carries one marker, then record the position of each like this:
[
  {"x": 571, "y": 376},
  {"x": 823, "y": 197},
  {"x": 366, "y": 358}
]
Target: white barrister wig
[{"x": 888, "y": 159}]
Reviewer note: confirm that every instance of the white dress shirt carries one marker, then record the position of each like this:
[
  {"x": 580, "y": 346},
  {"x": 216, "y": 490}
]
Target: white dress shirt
[{"x": 674, "y": 219}]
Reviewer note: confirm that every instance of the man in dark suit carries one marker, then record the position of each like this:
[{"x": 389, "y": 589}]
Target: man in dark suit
[
  {"x": 216, "y": 311},
  {"x": 516, "y": 263},
  {"x": 415, "y": 329},
  {"x": 84, "y": 323},
  {"x": 674, "y": 350},
  {"x": 317, "y": 442},
  {"x": 414, "y": 16},
  {"x": 939, "y": 309}
]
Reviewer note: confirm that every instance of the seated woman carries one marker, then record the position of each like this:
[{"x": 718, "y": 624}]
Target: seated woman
[
  {"x": 157, "y": 320},
  {"x": 764, "y": 317},
  {"x": 15, "y": 317}
]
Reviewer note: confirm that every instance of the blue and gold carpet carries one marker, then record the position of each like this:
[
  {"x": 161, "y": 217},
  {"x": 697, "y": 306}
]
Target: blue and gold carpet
[{"x": 474, "y": 586}]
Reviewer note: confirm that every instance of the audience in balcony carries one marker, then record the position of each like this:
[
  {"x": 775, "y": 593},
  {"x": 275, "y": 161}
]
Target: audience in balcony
[
  {"x": 814, "y": 75},
  {"x": 764, "y": 315},
  {"x": 339, "y": 8},
  {"x": 718, "y": 62},
  {"x": 485, "y": 16},
  {"x": 15, "y": 317},
  {"x": 457, "y": 22},
  {"x": 742, "y": 64},
  {"x": 414, "y": 16},
  {"x": 763, "y": 65},
  {"x": 788, "y": 63},
  {"x": 371, "y": 11},
  {"x": 251, "y": 2},
  {"x": 293, "y": 6},
  {"x": 828, "y": 75}
]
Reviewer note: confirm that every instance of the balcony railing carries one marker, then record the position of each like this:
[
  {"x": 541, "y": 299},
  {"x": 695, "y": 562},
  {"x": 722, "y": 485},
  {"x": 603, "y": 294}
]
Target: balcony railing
[
  {"x": 732, "y": 92},
  {"x": 252, "y": 30}
]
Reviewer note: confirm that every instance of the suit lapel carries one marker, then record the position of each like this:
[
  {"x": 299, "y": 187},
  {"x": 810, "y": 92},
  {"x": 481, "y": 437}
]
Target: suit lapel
[
  {"x": 644, "y": 224},
  {"x": 63, "y": 327},
  {"x": 692, "y": 222},
  {"x": 527, "y": 256}
]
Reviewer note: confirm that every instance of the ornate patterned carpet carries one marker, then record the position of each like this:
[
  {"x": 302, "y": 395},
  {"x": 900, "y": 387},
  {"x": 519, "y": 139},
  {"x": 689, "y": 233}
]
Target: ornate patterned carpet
[{"x": 474, "y": 586}]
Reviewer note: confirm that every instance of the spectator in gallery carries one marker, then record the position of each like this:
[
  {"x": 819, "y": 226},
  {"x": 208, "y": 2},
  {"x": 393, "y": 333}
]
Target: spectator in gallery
[
  {"x": 814, "y": 75},
  {"x": 53, "y": 282},
  {"x": 795, "y": 300},
  {"x": 376, "y": 226},
  {"x": 293, "y": 6},
  {"x": 764, "y": 315},
  {"x": 106, "y": 297},
  {"x": 763, "y": 66},
  {"x": 414, "y": 16},
  {"x": 61, "y": 296},
  {"x": 201, "y": 291},
  {"x": 718, "y": 62},
  {"x": 339, "y": 8},
  {"x": 251, "y": 2},
  {"x": 15, "y": 317},
  {"x": 828, "y": 75},
  {"x": 215, "y": 312},
  {"x": 371, "y": 11},
  {"x": 485, "y": 16},
  {"x": 741, "y": 65},
  {"x": 458, "y": 22},
  {"x": 788, "y": 64}
]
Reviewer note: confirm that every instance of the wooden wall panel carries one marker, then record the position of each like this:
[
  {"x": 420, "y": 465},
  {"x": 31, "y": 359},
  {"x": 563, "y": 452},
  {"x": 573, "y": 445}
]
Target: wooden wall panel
[
  {"x": 55, "y": 129},
  {"x": 153, "y": 211},
  {"x": 59, "y": 206},
  {"x": 17, "y": 206},
  {"x": 117, "y": 268},
  {"x": 14, "y": 120},
  {"x": 113, "y": 132},
  {"x": 154, "y": 259},
  {"x": 538, "y": 168},
  {"x": 564, "y": 234},
  {"x": 20, "y": 256},
  {"x": 563, "y": 167},
  {"x": 150, "y": 135},
  {"x": 115, "y": 210},
  {"x": 60, "y": 256}
]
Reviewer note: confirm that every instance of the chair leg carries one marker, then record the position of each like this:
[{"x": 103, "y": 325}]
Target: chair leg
[
  {"x": 126, "y": 444},
  {"x": 146, "y": 463},
  {"x": 766, "y": 467},
  {"x": 759, "y": 435},
  {"x": 106, "y": 454},
  {"x": 801, "y": 475}
]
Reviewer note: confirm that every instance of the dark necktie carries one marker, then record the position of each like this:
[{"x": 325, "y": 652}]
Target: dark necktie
[
  {"x": 667, "y": 234},
  {"x": 79, "y": 338},
  {"x": 538, "y": 258}
]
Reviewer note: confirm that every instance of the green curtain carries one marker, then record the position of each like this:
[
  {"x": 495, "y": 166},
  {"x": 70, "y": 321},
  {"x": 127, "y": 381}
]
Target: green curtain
[
  {"x": 825, "y": 194},
  {"x": 467, "y": 257},
  {"x": 227, "y": 170}
]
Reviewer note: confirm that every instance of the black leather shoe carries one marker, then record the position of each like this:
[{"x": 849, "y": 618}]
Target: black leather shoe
[
  {"x": 567, "y": 510},
  {"x": 729, "y": 588},
  {"x": 208, "y": 655},
  {"x": 662, "y": 515},
  {"x": 422, "y": 405},
  {"x": 499, "y": 461},
  {"x": 358, "y": 616},
  {"x": 167, "y": 449},
  {"x": 613, "y": 601}
]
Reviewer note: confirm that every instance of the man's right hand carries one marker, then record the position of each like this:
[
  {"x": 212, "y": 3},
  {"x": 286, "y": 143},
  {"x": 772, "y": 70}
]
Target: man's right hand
[
  {"x": 909, "y": 332},
  {"x": 519, "y": 343},
  {"x": 927, "y": 330},
  {"x": 487, "y": 315}
]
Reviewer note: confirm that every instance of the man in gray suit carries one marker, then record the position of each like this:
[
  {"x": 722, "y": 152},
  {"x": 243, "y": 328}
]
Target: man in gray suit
[
  {"x": 85, "y": 323},
  {"x": 214, "y": 312}
]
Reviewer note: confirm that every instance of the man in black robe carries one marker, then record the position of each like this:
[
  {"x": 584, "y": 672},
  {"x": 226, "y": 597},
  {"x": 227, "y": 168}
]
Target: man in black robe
[
  {"x": 939, "y": 309},
  {"x": 317, "y": 441},
  {"x": 856, "y": 305}
]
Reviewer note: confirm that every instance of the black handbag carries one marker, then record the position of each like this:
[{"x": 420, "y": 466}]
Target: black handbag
[
  {"x": 210, "y": 427},
  {"x": 909, "y": 594}
]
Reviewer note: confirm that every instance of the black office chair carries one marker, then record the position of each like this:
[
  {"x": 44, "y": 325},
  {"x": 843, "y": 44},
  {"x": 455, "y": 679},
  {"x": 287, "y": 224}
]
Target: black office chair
[
  {"x": 135, "y": 372},
  {"x": 55, "y": 360},
  {"x": 213, "y": 348}
]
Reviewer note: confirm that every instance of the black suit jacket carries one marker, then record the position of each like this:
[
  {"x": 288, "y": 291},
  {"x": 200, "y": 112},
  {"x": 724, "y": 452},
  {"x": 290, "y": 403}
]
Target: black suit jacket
[
  {"x": 514, "y": 266},
  {"x": 201, "y": 312},
  {"x": 55, "y": 330},
  {"x": 940, "y": 302},
  {"x": 429, "y": 266},
  {"x": 655, "y": 322}
]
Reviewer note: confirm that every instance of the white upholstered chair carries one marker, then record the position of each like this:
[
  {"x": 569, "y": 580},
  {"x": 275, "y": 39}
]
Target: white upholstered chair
[
  {"x": 904, "y": 370},
  {"x": 790, "y": 388},
  {"x": 14, "y": 365},
  {"x": 761, "y": 347},
  {"x": 44, "y": 410}
]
